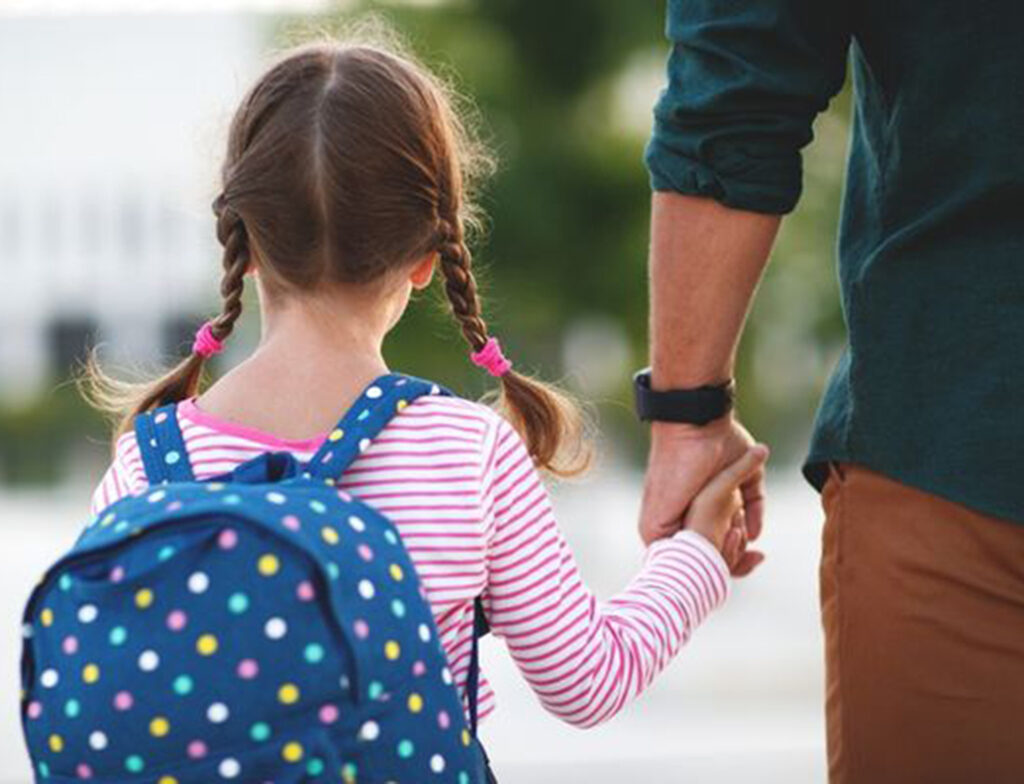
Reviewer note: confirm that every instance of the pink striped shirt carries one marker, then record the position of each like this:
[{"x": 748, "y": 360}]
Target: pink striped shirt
[{"x": 457, "y": 481}]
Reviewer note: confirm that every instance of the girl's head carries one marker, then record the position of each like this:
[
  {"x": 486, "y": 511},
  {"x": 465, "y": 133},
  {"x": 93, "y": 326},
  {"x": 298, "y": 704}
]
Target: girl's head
[{"x": 347, "y": 166}]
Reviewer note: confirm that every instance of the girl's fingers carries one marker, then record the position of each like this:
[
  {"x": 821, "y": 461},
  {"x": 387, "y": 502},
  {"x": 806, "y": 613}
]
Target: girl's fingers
[
  {"x": 737, "y": 473},
  {"x": 732, "y": 547}
]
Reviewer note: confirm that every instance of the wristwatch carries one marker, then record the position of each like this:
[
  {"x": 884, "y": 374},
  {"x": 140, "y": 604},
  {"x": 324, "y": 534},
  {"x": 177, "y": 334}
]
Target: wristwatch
[{"x": 696, "y": 406}]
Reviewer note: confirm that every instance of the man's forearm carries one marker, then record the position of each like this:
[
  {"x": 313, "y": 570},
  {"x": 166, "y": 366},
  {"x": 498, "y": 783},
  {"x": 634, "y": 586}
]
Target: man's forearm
[{"x": 706, "y": 261}]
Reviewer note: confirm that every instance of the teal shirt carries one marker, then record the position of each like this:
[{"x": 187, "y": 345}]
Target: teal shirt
[{"x": 930, "y": 388}]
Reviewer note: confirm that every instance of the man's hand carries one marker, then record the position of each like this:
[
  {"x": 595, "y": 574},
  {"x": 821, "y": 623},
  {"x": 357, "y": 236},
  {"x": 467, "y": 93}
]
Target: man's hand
[{"x": 683, "y": 459}]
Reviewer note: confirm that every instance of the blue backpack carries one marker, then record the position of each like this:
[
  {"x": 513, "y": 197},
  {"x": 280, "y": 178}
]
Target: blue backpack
[{"x": 263, "y": 627}]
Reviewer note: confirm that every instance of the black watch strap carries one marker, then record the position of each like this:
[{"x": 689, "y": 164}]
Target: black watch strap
[{"x": 697, "y": 406}]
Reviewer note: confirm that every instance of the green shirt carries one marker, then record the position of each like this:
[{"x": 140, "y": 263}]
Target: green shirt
[{"x": 930, "y": 388}]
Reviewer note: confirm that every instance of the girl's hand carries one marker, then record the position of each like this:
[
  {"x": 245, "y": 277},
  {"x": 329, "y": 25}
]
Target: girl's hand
[{"x": 716, "y": 512}]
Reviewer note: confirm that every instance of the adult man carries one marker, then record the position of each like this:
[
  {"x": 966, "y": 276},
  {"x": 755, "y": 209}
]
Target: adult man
[{"x": 919, "y": 441}]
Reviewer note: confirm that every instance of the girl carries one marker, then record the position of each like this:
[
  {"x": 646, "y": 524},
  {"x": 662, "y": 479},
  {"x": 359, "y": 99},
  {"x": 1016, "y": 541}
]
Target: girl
[{"x": 344, "y": 189}]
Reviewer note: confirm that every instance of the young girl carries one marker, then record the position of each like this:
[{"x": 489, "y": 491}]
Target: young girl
[{"x": 344, "y": 189}]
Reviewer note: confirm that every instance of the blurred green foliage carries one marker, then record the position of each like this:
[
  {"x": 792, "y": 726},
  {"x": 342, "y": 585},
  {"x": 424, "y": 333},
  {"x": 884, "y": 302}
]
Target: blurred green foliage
[{"x": 568, "y": 212}]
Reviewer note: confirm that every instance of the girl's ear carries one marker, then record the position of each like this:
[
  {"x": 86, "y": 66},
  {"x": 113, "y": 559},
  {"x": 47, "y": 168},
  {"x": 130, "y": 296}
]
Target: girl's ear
[{"x": 423, "y": 272}]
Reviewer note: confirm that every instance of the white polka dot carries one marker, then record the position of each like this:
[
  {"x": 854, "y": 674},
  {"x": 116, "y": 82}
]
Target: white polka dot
[
  {"x": 435, "y": 390},
  {"x": 369, "y": 731},
  {"x": 437, "y": 763},
  {"x": 276, "y": 628},
  {"x": 446, "y": 676},
  {"x": 229, "y": 768},
  {"x": 374, "y": 392},
  {"x": 156, "y": 497},
  {"x": 366, "y": 589},
  {"x": 357, "y": 524},
  {"x": 88, "y": 613},
  {"x": 97, "y": 741},
  {"x": 49, "y": 678},
  {"x": 424, "y": 632},
  {"x": 218, "y": 713},
  {"x": 27, "y": 631},
  {"x": 198, "y": 582},
  {"x": 276, "y": 498},
  {"x": 148, "y": 661},
  {"x": 364, "y": 444}
]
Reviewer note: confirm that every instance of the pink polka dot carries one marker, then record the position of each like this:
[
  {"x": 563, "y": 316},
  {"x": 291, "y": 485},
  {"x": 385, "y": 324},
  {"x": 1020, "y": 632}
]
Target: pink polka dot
[
  {"x": 361, "y": 628},
  {"x": 365, "y": 552},
  {"x": 117, "y": 574},
  {"x": 176, "y": 620},
  {"x": 328, "y": 714},
  {"x": 123, "y": 700},
  {"x": 228, "y": 538},
  {"x": 84, "y": 771},
  {"x": 305, "y": 591},
  {"x": 35, "y": 709},
  {"x": 174, "y": 506},
  {"x": 248, "y": 669},
  {"x": 443, "y": 721},
  {"x": 418, "y": 668},
  {"x": 196, "y": 749},
  {"x": 291, "y": 522},
  {"x": 70, "y": 645},
  {"x": 344, "y": 496}
]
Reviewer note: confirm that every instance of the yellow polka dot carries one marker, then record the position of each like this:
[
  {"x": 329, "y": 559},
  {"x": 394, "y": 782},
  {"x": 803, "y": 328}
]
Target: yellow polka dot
[
  {"x": 268, "y": 565},
  {"x": 396, "y": 571},
  {"x": 56, "y": 744},
  {"x": 159, "y": 727},
  {"x": 415, "y": 703},
  {"x": 292, "y": 752},
  {"x": 401, "y": 404},
  {"x": 329, "y": 534},
  {"x": 143, "y": 598},
  {"x": 207, "y": 645},
  {"x": 46, "y": 617},
  {"x": 167, "y": 780},
  {"x": 392, "y": 650},
  {"x": 466, "y": 739},
  {"x": 336, "y": 435},
  {"x": 90, "y": 673},
  {"x": 288, "y": 694}
]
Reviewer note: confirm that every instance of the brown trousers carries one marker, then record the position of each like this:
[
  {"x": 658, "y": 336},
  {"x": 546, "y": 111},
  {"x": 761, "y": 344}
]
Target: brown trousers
[{"x": 923, "y": 608}]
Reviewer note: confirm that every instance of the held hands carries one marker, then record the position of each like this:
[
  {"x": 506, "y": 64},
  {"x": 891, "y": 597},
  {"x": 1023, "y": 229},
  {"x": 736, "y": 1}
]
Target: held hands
[{"x": 688, "y": 462}]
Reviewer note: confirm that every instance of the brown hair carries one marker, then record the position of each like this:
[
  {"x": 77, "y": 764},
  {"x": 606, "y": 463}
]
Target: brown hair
[{"x": 334, "y": 147}]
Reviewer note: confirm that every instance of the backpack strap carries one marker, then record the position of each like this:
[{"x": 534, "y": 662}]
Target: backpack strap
[
  {"x": 162, "y": 446},
  {"x": 383, "y": 397}
]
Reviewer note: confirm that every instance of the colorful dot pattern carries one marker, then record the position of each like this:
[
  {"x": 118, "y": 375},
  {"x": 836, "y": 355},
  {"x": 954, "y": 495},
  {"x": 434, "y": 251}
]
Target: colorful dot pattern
[{"x": 254, "y": 631}]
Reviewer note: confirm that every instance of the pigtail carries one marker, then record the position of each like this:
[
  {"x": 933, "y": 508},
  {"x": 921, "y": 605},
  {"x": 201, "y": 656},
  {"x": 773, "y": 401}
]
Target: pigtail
[
  {"x": 550, "y": 422},
  {"x": 125, "y": 400}
]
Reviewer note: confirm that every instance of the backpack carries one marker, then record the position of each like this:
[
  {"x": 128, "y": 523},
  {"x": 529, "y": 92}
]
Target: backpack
[{"x": 263, "y": 626}]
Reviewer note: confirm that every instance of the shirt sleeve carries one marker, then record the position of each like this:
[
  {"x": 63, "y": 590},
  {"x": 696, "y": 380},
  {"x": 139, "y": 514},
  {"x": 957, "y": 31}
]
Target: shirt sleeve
[
  {"x": 125, "y": 475},
  {"x": 585, "y": 659},
  {"x": 745, "y": 82}
]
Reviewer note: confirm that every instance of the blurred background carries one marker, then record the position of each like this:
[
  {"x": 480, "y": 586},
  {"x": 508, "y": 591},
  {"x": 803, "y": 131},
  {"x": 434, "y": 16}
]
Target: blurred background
[{"x": 114, "y": 120}]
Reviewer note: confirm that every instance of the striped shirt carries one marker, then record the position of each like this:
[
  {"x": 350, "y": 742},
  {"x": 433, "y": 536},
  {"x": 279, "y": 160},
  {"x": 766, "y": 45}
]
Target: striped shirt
[{"x": 457, "y": 481}]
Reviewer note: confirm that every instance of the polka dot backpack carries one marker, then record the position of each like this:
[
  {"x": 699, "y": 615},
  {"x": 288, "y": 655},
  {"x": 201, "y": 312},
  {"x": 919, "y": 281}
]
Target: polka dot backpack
[{"x": 263, "y": 627}]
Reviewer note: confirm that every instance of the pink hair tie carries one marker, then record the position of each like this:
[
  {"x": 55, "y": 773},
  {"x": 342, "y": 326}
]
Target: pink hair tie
[
  {"x": 205, "y": 344},
  {"x": 491, "y": 359}
]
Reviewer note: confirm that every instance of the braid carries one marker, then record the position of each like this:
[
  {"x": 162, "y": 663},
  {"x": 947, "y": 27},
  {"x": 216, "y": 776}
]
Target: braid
[
  {"x": 231, "y": 233},
  {"x": 460, "y": 285}
]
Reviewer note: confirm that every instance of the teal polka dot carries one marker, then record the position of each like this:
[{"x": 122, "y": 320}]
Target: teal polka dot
[
  {"x": 315, "y": 766},
  {"x": 463, "y": 777},
  {"x": 259, "y": 731},
  {"x": 405, "y": 748},
  {"x": 166, "y": 553},
  {"x": 232, "y": 499},
  {"x": 375, "y": 689},
  {"x": 333, "y": 571},
  {"x": 44, "y": 770},
  {"x": 318, "y": 506},
  {"x": 72, "y": 708},
  {"x": 134, "y": 764},
  {"x": 238, "y": 603},
  {"x": 172, "y": 457},
  {"x": 314, "y": 653},
  {"x": 118, "y": 635},
  {"x": 391, "y": 537},
  {"x": 121, "y": 527},
  {"x": 183, "y": 685},
  {"x": 65, "y": 582},
  {"x": 398, "y": 608}
]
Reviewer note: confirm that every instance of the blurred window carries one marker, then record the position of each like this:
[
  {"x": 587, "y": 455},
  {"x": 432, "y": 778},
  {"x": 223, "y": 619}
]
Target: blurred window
[{"x": 70, "y": 340}]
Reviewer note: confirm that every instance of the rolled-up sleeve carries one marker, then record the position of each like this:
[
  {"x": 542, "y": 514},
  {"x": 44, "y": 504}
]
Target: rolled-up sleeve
[{"x": 746, "y": 79}]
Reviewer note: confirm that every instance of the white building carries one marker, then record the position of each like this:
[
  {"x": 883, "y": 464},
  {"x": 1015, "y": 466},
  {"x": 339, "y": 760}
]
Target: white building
[{"x": 112, "y": 128}]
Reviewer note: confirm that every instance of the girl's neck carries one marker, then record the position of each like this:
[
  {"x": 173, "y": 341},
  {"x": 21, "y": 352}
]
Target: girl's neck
[{"x": 310, "y": 366}]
